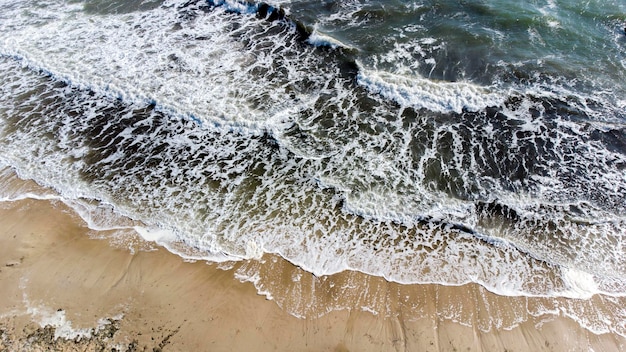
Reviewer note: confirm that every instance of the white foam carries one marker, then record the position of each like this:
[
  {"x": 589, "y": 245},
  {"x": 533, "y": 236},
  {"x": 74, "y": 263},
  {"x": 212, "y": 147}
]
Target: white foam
[
  {"x": 254, "y": 280},
  {"x": 318, "y": 38},
  {"x": 62, "y": 326},
  {"x": 369, "y": 310},
  {"x": 155, "y": 234},
  {"x": 580, "y": 284},
  {"x": 554, "y": 24},
  {"x": 24, "y": 196},
  {"x": 422, "y": 93},
  {"x": 236, "y": 6},
  {"x": 150, "y": 62},
  {"x": 254, "y": 250},
  {"x": 57, "y": 319}
]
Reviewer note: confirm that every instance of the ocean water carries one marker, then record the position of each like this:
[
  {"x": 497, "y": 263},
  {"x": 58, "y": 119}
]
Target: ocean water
[{"x": 444, "y": 142}]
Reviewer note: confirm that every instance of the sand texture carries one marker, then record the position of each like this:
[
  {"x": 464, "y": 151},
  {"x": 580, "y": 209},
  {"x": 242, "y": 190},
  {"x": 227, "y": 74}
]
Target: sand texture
[{"x": 65, "y": 287}]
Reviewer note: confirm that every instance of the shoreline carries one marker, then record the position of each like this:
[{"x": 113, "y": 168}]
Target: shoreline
[{"x": 66, "y": 287}]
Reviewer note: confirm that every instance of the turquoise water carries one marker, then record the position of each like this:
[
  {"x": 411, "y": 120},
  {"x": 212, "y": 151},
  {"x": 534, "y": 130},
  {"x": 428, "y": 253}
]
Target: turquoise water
[{"x": 422, "y": 141}]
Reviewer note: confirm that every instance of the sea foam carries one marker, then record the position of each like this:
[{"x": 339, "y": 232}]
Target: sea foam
[{"x": 423, "y": 93}]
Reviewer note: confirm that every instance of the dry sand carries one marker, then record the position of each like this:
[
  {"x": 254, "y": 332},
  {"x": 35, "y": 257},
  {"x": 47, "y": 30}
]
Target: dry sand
[{"x": 64, "y": 287}]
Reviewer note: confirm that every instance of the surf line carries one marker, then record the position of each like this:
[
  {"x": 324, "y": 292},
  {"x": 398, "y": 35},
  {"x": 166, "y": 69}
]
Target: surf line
[
  {"x": 264, "y": 11},
  {"x": 303, "y": 34}
]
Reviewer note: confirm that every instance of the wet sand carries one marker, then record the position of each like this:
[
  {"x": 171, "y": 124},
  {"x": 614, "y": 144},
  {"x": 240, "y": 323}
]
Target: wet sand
[{"x": 68, "y": 288}]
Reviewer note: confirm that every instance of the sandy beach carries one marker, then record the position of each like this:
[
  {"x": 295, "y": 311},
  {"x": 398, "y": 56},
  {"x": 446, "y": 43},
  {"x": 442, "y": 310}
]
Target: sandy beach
[{"x": 65, "y": 287}]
